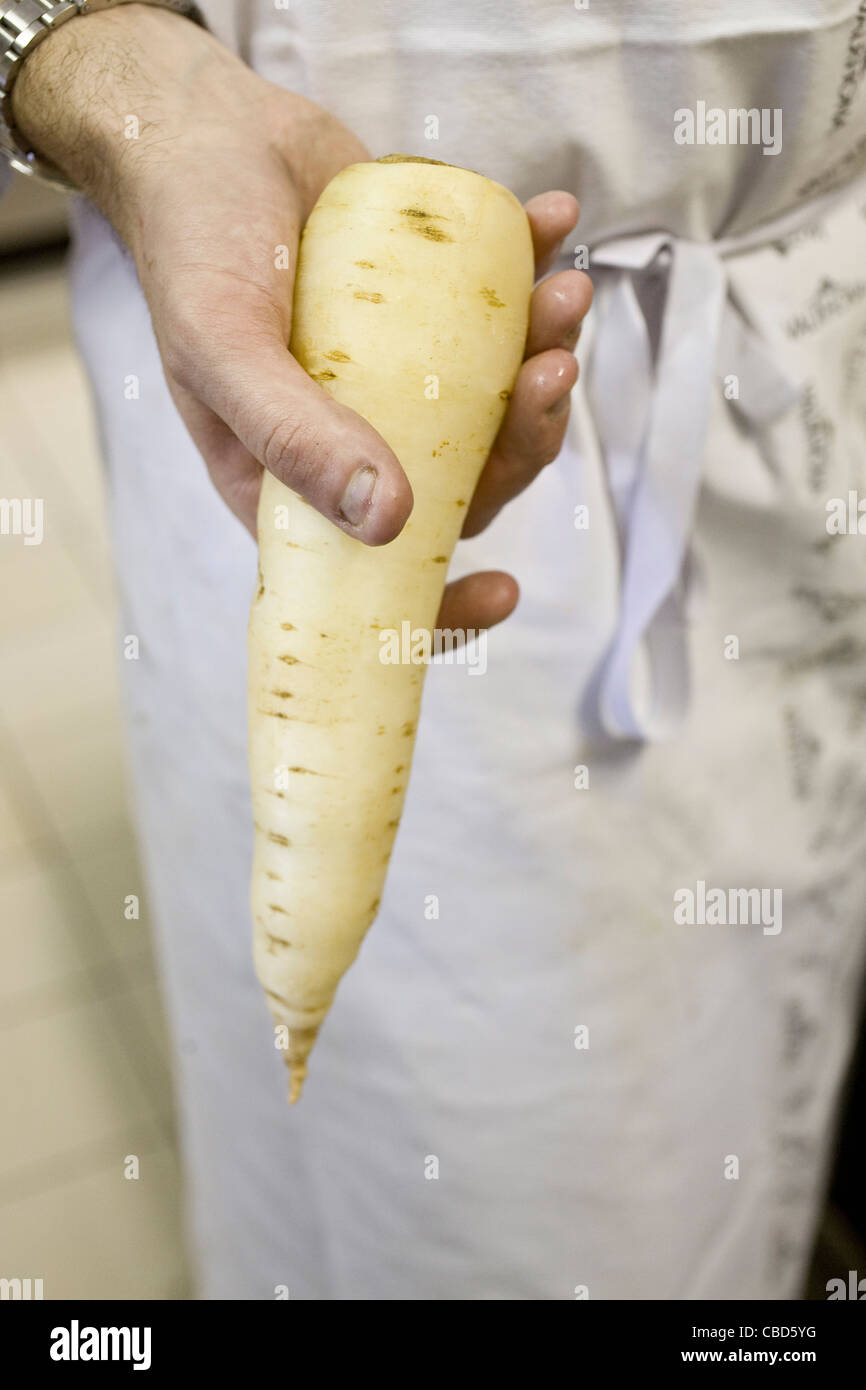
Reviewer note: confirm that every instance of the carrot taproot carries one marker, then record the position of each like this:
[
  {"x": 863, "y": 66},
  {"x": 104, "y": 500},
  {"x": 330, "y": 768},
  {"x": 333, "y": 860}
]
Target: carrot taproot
[{"x": 411, "y": 306}]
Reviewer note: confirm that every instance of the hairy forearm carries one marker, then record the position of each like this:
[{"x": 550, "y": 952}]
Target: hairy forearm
[{"x": 103, "y": 97}]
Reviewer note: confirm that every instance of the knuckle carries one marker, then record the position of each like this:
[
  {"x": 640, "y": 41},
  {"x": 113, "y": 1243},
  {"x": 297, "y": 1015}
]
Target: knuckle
[{"x": 285, "y": 453}]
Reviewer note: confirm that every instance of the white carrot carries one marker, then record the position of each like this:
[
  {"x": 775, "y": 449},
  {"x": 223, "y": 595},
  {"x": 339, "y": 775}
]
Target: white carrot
[{"x": 411, "y": 306}]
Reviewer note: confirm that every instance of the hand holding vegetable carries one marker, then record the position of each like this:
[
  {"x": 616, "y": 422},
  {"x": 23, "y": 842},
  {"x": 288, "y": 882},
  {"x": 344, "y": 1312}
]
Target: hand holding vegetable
[
  {"x": 210, "y": 197},
  {"x": 225, "y": 171}
]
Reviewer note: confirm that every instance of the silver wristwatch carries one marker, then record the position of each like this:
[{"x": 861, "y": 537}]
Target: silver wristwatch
[{"x": 23, "y": 25}]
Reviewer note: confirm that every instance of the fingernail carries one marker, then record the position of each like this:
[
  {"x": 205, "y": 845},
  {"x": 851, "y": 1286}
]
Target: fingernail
[{"x": 356, "y": 500}]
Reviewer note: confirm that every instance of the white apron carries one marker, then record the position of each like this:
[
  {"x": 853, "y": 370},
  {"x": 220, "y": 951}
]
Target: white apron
[{"x": 554, "y": 1087}]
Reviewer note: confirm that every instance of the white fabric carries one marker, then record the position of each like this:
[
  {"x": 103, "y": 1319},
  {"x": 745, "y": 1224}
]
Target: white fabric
[
  {"x": 652, "y": 419},
  {"x": 454, "y": 1038}
]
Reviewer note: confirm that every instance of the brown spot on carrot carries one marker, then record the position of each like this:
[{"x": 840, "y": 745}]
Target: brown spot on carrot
[
  {"x": 273, "y": 713},
  {"x": 288, "y": 627},
  {"x": 440, "y": 559},
  {"x": 421, "y": 222},
  {"x": 283, "y": 694},
  {"x": 399, "y": 767},
  {"x": 408, "y": 729},
  {"x": 269, "y": 873},
  {"x": 278, "y": 940},
  {"x": 338, "y": 356},
  {"x": 492, "y": 298},
  {"x": 392, "y": 824},
  {"x": 366, "y": 265},
  {"x": 270, "y": 791},
  {"x": 288, "y": 659},
  {"x": 432, "y": 233},
  {"x": 396, "y": 790},
  {"x": 325, "y": 375},
  {"x": 374, "y": 905},
  {"x": 275, "y": 907},
  {"x": 277, "y": 839},
  {"x": 461, "y": 502},
  {"x": 311, "y": 770},
  {"x": 505, "y": 395},
  {"x": 371, "y": 295}
]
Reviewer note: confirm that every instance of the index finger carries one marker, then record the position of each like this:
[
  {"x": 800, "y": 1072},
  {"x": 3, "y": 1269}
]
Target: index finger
[{"x": 551, "y": 217}]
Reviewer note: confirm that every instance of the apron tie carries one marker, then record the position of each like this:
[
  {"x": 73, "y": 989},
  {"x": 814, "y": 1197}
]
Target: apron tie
[{"x": 652, "y": 423}]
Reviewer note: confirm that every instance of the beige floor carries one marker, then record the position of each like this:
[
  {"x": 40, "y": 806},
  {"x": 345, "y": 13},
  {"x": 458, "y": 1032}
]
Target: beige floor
[{"x": 84, "y": 1072}]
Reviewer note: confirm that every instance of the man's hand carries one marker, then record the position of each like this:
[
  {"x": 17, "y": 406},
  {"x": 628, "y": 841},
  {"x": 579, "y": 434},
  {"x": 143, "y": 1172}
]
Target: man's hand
[{"x": 221, "y": 171}]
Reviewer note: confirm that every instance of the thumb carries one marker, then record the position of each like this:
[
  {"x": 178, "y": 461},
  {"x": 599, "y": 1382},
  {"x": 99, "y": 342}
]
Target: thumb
[{"x": 322, "y": 450}]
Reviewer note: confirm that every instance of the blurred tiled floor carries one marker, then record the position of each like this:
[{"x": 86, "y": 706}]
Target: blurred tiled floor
[{"x": 84, "y": 1072}]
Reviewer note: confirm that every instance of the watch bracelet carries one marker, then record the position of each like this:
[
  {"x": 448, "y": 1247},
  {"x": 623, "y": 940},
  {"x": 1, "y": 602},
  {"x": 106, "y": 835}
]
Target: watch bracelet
[{"x": 24, "y": 24}]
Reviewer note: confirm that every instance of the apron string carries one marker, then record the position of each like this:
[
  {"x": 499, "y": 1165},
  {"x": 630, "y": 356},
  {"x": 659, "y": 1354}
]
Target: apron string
[{"x": 652, "y": 424}]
